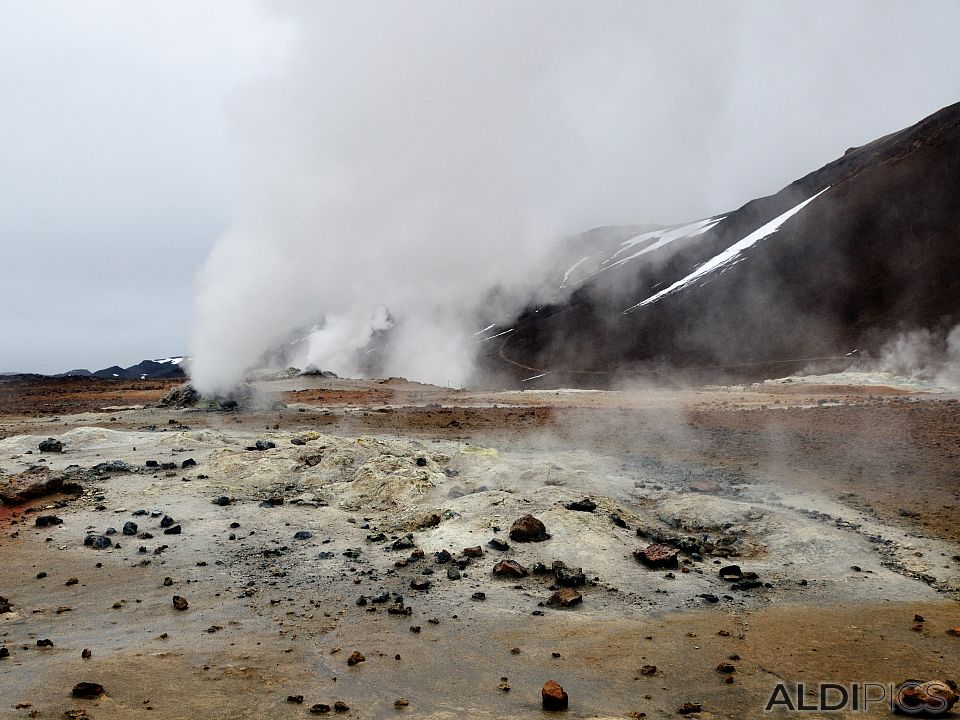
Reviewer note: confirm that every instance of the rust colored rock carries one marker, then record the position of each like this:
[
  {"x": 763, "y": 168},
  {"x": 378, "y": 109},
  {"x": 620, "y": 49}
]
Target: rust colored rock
[
  {"x": 355, "y": 658},
  {"x": 933, "y": 698},
  {"x": 87, "y": 690},
  {"x": 565, "y": 597},
  {"x": 955, "y": 631},
  {"x": 180, "y": 603},
  {"x": 657, "y": 556},
  {"x": 648, "y": 670},
  {"x": 528, "y": 529},
  {"x": 509, "y": 569},
  {"x": 473, "y": 552},
  {"x": 554, "y": 697},
  {"x": 705, "y": 486}
]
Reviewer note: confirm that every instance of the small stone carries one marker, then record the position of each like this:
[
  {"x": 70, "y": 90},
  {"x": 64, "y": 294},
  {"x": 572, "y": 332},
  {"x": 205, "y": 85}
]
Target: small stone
[
  {"x": 295, "y": 699},
  {"x": 86, "y": 654},
  {"x": 87, "y": 690},
  {"x": 130, "y": 528},
  {"x": 72, "y": 581},
  {"x": 688, "y": 708},
  {"x": 509, "y": 569},
  {"x": 175, "y": 530},
  {"x": 222, "y": 501},
  {"x": 50, "y": 445},
  {"x": 44, "y": 643},
  {"x": 553, "y": 696},
  {"x": 731, "y": 573},
  {"x": 166, "y": 521},
  {"x": 319, "y": 709},
  {"x": 498, "y": 544},
  {"x": 189, "y": 462},
  {"x": 355, "y": 657},
  {"x": 4, "y": 652},
  {"x": 648, "y": 670},
  {"x": 657, "y": 556},
  {"x": 48, "y": 521},
  {"x": 585, "y": 505},
  {"x": 167, "y": 581},
  {"x": 725, "y": 667},
  {"x": 180, "y": 603},
  {"x": 473, "y": 552},
  {"x": 340, "y": 706},
  {"x": 527, "y": 528},
  {"x": 565, "y": 597},
  {"x": 479, "y": 595},
  {"x": 401, "y": 702},
  {"x": 302, "y": 535}
]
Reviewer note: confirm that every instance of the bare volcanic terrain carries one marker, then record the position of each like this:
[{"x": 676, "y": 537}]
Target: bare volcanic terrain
[{"x": 357, "y": 542}]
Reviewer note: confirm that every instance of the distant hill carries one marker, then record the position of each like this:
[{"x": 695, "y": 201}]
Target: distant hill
[
  {"x": 170, "y": 367},
  {"x": 839, "y": 261}
]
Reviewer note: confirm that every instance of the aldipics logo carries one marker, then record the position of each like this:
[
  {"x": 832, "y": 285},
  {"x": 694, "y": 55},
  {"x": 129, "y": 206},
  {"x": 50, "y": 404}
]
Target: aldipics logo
[{"x": 932, "y": 698}]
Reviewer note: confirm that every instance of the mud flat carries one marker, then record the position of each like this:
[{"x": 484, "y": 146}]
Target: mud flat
[{"x": 348, "y": 519}]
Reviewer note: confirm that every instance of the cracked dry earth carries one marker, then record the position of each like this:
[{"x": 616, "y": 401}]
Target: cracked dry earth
[{"x": 840, "y": 507}]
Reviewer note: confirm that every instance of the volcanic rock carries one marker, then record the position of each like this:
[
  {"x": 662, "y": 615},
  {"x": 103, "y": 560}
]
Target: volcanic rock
[
  {"x": 498, "y": 544},
  {"x": 87, "y": 690},
  {"x": 528, "y": 529},
  {"x": 51, "y": 445},
  {"x": 98, "y": 542},
  {"x": 553, "y": 696},
  {"x": 48, "y": 521},
  {"x": 5, "y": 605},
  {"x": 181, "y": 397},
  {"x": 585, "y": 505},
  {"x": 175, "y": 530},
  {"x": 565, "y": 597},
  {"x": 355, "y": 657},
  {"x": 688, "y": 708},
  {"x": 509, "y": 569},
  {"x": 731, "y": 573},
  {"x": 473, "y": 552},
  {"x": 222, "y": 501},
  {"x": 657, "y": 556},
  {"x": 129, "y": 528},
  {"x": 180, "y": 603},
  {"x": 319, "y": 709},
  {"x": 935, "y": 697},
  {"x": 36, "y": 483}
]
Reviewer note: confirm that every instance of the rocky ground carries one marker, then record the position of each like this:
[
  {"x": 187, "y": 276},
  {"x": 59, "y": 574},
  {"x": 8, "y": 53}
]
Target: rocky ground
[{"x": 354, "y": 542}]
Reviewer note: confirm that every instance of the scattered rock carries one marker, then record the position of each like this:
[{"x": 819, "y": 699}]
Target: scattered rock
[
  {"x": 86, "y": 654},
  {"x": 48, "y": 521},
  {"x": 87, "y": 690},
  {"x": 528, "y": 529},
  {"x": 319, "y": 709},
  {"x": 565, "y": 597},
  {"x": 45, "y": 643},
  {"x": 689, "y": 708},
  {"x": 98, "y": 542},
  {"x": 932, "y": 698},
  {"x": 51, "y": 445},
  {"x": 264, "y": 445},
  {"x": 130, "y": 528},
  {"x": 472, "y": 552},
  {"x": 731, "y": 573},
  {"x": 340, "y": 706},
  {"x": 175, "y": 530},
  {"x": 498, "y": 544},
  {"x": 188, "y": 463},
  {"x": 553, "y": 696},
  {"x": 585, "y": 505},
  {"x": 648, "y": 670},
  {"x": 355, "y": 657},
  {"x": 295, "y": 699},
  {"x": 657, "y": 556},
  {"x": 166, "y": 521},
  {"x": 726, "y": 668},
  {"x": 509, "y": 569},
  {"x": 222, "y": 501},
  {"x": 302, "y": 535},
  {"x": 180, "y": 603}
]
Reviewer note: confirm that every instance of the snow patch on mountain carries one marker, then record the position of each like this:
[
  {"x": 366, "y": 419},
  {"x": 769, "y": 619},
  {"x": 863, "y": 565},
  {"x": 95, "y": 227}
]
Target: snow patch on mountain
[{"x": 731, "y": 255}]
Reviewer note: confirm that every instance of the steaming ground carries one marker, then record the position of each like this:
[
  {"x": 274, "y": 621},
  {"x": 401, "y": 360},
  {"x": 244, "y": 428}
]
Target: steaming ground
[{"x": 842, "y": 498}]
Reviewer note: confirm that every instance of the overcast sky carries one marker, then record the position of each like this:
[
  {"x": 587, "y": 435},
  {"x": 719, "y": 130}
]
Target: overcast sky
[{"x": 133, "y": 135}]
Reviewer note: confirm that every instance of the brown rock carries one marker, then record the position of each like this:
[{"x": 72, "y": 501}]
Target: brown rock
[
  {"x": 528, "y": 529},
  {"x": 355, "y": 657},
  {"x": 565, "y": 597},
  {"x": 554, "y": 697},
  {"x": 648, "y": 670},
  {"x": 473, "y": 552},
  {"x": 87, "y": 690},
  {"x": 726, "y": 668},
  {"x": 319, "y": 709},
  {"x": 295, "y": 699},
  {"x": 705, "y": 486},
  {"x": 35, "y": 483},
  {"x": 934, "y": 697},
  {"x": 509, "y": 569},
  {"x": 688, "y": 707},
  {"x": 180, "y": 603},
  {"x": 955, "y": 631},
  {"x": 657, "y": 556}
]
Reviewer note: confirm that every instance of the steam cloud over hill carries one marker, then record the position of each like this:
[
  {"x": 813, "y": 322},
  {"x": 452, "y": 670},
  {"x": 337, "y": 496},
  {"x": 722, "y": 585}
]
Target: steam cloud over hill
[{"x": 408, "y": 175}]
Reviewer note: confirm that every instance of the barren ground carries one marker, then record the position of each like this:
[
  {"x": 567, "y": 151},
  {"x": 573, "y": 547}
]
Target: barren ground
[{"x": 845, "y": 501}]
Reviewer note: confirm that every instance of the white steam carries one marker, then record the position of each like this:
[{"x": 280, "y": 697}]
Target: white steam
[
  {"x": 923, "y": 354},
  {"x": 414, "y": 155}
]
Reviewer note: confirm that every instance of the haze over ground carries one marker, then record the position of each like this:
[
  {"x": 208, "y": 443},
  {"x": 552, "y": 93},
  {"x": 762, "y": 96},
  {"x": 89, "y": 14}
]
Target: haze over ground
[{"x": 351, "y": 156}]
